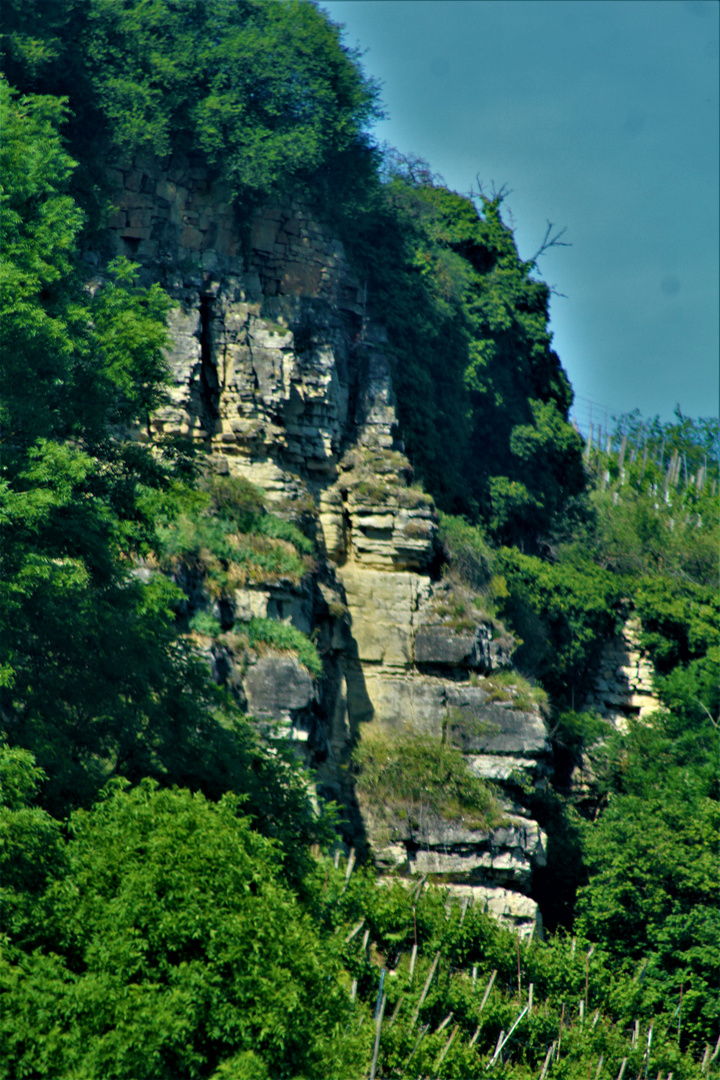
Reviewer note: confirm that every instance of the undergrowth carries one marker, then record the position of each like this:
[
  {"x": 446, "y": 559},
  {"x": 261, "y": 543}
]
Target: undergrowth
[
  {"x": 227, "y": 539},
  {"x": 283, "y": 636},
  {"x": 514, "y": 687},
  {"x": 417, "y": 782}
]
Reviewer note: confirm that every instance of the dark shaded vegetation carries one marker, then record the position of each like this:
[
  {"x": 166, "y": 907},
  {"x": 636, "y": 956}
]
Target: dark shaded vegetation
[
  {"x": 266, "y": 93},
  {"x": 483, "y": 399}
]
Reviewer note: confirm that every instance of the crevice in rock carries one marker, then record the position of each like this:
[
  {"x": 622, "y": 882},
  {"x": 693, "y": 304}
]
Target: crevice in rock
[
  {"x": 355, "y": 363},
  {"x": 209, "y": 385}
]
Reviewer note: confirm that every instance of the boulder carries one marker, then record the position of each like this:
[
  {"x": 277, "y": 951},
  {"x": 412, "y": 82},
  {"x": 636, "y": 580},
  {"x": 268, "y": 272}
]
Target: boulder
[{"x": 277, "y": 687}]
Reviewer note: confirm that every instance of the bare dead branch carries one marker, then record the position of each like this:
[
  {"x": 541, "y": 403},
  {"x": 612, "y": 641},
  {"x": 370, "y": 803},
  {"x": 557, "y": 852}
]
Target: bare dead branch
[{"x": 550, "y": 241}]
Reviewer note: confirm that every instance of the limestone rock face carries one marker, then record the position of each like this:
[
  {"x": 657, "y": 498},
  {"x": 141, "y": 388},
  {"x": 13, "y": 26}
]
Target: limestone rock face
[
  {"x": 623, "y": 684},
  {"x": 412, "y": 675},
  {"x": 503, "y": 855},
  {"x": 280, "y": 372},
  {"x": 277, "y": 686},
  {"x": 516, "y": 911}
]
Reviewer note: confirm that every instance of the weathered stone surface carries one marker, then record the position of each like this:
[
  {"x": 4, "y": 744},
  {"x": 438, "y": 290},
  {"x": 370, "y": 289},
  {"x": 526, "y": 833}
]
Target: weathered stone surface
[
  {"x": 442, "y": 646},
  {"x": 515, "y": 834},
  {"x": 470, "y": 864},
  {"x": 492, "y": 727},
  {"x": 517, "y": 912},
  {"x": 403, "y": 703},
  {"x": 501, "y": 766},
  {"x": 506, "y": 854},
  {"x": 280, "y": 371},
  {"x": 292, "y": 605},
  {"x": 383, "y": 607},
  {"x": 277, "y": 687},
  {"x": 622, "y": 686}
]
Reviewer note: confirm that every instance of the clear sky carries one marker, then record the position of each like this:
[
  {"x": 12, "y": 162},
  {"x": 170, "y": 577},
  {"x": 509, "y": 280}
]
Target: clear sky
[{"x": 602, "y": 117}]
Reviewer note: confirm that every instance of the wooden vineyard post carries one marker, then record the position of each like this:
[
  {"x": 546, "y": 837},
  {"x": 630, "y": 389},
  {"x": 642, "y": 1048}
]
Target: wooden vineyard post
[
  {"x": 413, "y": 958},
  {"x": 591, "y": 950},
  {"x": 421, "y": 1036},
  {"x": 378, "y": 1028},
  {"x": 546, "y": 1063},
  {"x": 425, "y": 989},
  {"x": 502, "y": 1041},
  {"x": 355, "y": 930},
  {"x": 396, "y": 1010},
  {"x": 448, "y": 1044},
  {"x": 349, "y": 869},
  {"x": 486, "y": 995}
]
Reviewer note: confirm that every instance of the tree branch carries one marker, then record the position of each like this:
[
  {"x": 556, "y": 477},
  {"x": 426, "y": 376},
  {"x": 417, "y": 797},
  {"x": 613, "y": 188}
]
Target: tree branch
[{"x": 550, "y": 241}]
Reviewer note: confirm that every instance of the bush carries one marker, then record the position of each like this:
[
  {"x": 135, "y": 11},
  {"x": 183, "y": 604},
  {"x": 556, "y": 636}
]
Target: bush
[
  {"x": 281, "y": 635},
  {"x": 266, "y": 93},
  {"x": 563, "y": 613},
  {"x": 511, "y": 686},
  {"x": 466, "y": 550},
  {"x": 416, "y": 782},
  {"x": 168, "y": 942}
]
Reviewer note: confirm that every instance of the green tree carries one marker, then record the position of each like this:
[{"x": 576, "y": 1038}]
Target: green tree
[
  {"x": 95, "y": 678},
  {"x": 163, "y": 943},
  {"x": 652, "y": 860},
  {"x": 563, "y": 613},
  {"x": 86, "y": 644},
  {"x": 482, "y": 398},
  {"x": 266, "y": 92}
]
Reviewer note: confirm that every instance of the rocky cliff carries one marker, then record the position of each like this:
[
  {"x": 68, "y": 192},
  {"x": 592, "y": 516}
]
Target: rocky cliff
[
  {"x": 281, "y": 373},
  {"x": 623, "y": 683}
]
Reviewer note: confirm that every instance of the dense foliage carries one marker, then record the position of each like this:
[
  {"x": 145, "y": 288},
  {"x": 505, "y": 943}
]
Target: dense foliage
[
  {"x": 482, "y": 397},
  {"x": 265, "y": 92},
  {"x": 414, "y": 783},
  {"x": 165, "y": 944},
  {"x": 97, "y": 680},
  {"x": 269, "y": 97},
  {"x": 653, "y": 857},
  {"x": 156, "y": 937},
  {"x": 74, "y": 498}
]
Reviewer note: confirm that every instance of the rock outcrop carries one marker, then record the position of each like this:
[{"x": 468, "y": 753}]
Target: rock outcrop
[
  {"x": 623, "y": 683},
  {"x": 280, "y": 371}
]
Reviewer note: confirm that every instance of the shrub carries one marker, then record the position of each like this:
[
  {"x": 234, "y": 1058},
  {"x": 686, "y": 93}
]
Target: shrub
[
  {"x": 466, "y": 550},
  {"x": 281, "y": 635},
  {"x": 416, "y": 782},
  {"x": 203, "y": 622},
  {"x": 511, "y": 686}
]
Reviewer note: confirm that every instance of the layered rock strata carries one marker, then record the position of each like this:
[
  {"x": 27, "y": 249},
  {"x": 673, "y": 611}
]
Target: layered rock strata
[
  {"x": 280, "y": 371},
  {"x": 622, "y": 686}
]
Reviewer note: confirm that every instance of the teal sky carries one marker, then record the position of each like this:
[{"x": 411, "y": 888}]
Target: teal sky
[{"x": 602, "y": 117}]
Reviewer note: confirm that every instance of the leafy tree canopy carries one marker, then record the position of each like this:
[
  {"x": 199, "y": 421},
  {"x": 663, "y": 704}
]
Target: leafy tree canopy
[
  {"x": 164, "y": 943},
  {"x": 95, "y": 678},
  {"x": 652, "y": 857},
  {"x": 482, "y": 397},
  {"x": 266, "y": 91},
  {"x": 76, "y": 623}
]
